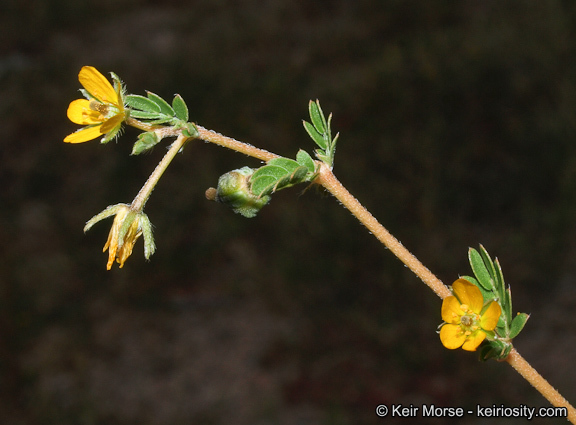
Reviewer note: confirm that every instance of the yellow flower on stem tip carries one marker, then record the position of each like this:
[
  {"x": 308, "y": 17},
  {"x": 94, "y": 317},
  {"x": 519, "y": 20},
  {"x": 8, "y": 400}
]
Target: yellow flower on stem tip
[
  {"x": 128, "y": 226},
  {"x": 102, "y": 112},
  {"x": 467, "y": 320}
]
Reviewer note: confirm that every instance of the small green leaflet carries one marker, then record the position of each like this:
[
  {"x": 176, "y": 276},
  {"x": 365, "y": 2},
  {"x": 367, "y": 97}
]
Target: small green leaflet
[
  {"x": 319, "y": 131},
  {"x": 280, "y": 173}
]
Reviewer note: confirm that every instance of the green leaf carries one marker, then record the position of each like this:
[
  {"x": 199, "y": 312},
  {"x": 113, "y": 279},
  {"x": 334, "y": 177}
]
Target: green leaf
[
  {"x": 145, "y": 141},
  {"x": 262, "y": 185},
  {"x": 297, "y": 176},
  {"x": 480, "y": 270},
  {"x": 165, "y": 108},
  {"x": 501, "y": 286},
  {"x": 142, "y": 103},
  {"x": 518, "y": 324},
  {"x": 303, "y": 158},
  {"x": 317, "y": 116},
  {"x": 180, "y": 108},
  {"x": 280, "y": 173},
  {"x": 287, "y": 164},
  {"x": 506, "y": 304},
  {"x": 146, "y": 115},
  {"x": 314, "y": 135},
  {"x": 489, "y": 265},
  {"x": 264, "y": 179}
]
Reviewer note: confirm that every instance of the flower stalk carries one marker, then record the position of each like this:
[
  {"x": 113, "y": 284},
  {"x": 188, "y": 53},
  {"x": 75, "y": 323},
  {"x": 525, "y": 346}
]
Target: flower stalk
[{"x": 144, "y": 193}]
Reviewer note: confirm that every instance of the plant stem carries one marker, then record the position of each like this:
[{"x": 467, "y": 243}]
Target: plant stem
[
  {"x": 327, "y": 179},
  {"x": 228, "y": 142},
  {"x": 537, "y": 381},
  {"x": 142, "y": 196}
]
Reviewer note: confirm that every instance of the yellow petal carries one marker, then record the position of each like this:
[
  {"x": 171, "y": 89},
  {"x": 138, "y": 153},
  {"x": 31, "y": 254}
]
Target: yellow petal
[
  {"x": 452, "y": 336},
  {"x": 79, "y": 112},
  {"x": 473, "y": 341},
  {"x": 97, "y": 85},
  {"x": 451, "y": 311},
  {"x": 490, "y": 317},
  {"x": 111, "y": 123},
  {"x": 468, "y": 294},
  {"x": 84, "y": 134}
]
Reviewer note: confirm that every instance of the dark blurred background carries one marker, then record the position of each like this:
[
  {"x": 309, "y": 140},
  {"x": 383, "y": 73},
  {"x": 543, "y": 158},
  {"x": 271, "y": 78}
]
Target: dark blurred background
[{"x": 457, "y": 128}]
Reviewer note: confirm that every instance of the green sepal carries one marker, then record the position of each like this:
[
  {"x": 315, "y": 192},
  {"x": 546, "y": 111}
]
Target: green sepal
[
  {"x": 146, "y": 227},
  {"x": 180, "y": 108},
  {"x": 111, "y": 134},
  {"x": 496, "y": 349},
  {"x": 142, "y": 103},
  {"x": 518, "y": 324},
  {"x": 86, "y": 94},
  {"x": 108, "y": 212},
  {"x": 480, "y": 270},
  {"x": 190, "y": 130},
  {"x": 165, "y": 108},
  {"x": 145, "y": 141}
]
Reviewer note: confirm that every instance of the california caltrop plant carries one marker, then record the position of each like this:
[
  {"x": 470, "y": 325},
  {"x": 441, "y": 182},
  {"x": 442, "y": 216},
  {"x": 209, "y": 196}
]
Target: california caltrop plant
[{"x": 476, "y": 310}]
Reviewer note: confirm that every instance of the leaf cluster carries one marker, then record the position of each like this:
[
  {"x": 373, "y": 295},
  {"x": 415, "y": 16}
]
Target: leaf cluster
[
  {"x": 156, "y": 111},
  {"x": 490, "y": 280},
  {"x": 320, "y": 132}
]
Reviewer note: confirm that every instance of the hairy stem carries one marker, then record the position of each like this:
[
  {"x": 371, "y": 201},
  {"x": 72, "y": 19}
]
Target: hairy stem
[
  {"x": 142, "y": 196},
  {"x": 228, "y": 142},
  {"x": 327, "y": 179},
  {"x": 537, "y": 381}
]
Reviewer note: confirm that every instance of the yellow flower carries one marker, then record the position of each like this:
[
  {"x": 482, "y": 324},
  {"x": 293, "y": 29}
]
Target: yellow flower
[
  {"x": 102, "y": 112},
  {"x": 128, "y": 226},
  {"x": 467, "y": 321}
]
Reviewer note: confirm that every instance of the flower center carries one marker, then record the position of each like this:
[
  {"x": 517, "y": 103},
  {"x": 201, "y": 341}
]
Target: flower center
[
  {"x": 467, "y": 321},
  {"x": 99, "y": 107}
]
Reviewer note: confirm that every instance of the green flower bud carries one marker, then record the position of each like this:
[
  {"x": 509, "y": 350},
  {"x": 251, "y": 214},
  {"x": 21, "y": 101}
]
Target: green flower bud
[{"x": 234, "y": 191}]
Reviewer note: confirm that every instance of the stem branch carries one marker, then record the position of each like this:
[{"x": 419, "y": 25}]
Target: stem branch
[{"x": 142, "y": 196}]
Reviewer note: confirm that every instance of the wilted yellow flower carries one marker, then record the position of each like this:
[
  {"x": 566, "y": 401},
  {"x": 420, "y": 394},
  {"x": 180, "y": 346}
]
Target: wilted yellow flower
[
  {"x": 102, "y": 112},
  {"x": 128, "y": 226},
  {"x": 467, "y": 320}
]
